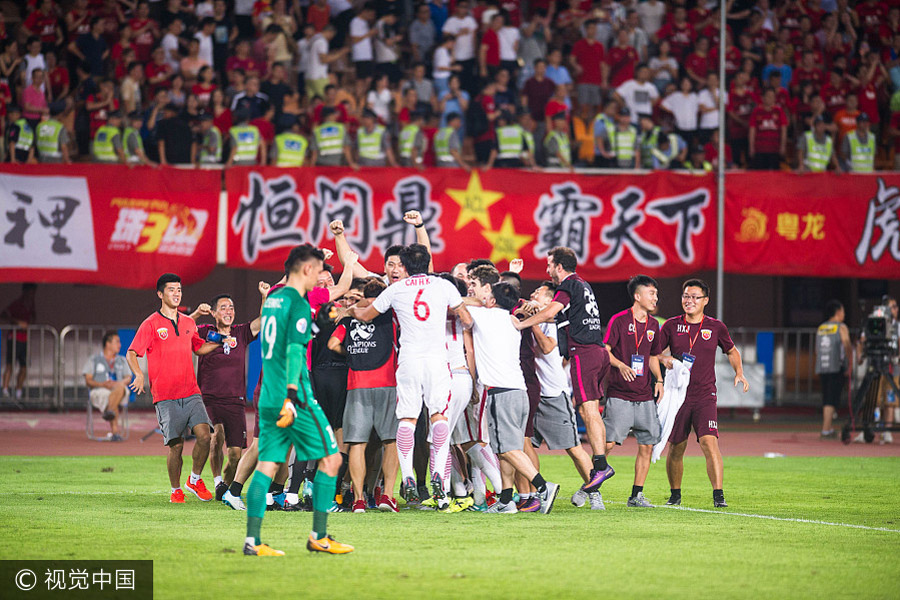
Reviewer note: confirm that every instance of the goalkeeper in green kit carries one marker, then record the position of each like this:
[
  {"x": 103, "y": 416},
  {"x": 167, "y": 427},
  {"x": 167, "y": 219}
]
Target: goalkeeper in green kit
[{"x": 288, "y": 413}]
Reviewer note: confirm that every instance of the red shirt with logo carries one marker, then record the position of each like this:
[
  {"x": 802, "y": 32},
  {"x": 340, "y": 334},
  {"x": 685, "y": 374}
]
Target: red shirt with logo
[
  {"x": 768, "y": 123},
  {"x": 170, "y": 357},
  {"x": 589, "y": 57}
]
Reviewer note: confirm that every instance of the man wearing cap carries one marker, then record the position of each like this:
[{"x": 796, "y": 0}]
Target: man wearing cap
[
  {"x": 246, "y": 142},
  {"x": 53, "y": 138},
  {"x": 289, "y": 148},
  {"x": 448, "y": 144},
  {"x": 816, "y": 149},
  {"x": 413, "y": 142},
  {"x": 134, "y": 144},
  {"x": 373, "y": 143},
  {"x": 511, "y": 149},
  {"x": 106, "y": 147},
  {"x": 329, "y": 143},
  {"x": 858, "y": 149},
  {"x": 19, "y": 137},
  {"x": 623, "y": 146},
  {"x": 557, "y": 143},
  {"x": 207, "y": 149}
]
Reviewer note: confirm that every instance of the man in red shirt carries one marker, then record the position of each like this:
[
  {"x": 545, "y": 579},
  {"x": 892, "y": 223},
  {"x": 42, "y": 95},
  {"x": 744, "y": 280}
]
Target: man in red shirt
[
  {"x": 621, "y": 60},
  {"x": 144, "y": 32},
  {"x": 590, "y": 69},
  {"x": 485, "y": 141},
  {"x": 679, "y": 32},
  {"x": 834, "y": 93},
  {"x": 43, "y": 24},
  {"x": 101, "y": 105},
  {"x": 168, "y": 338},
  {"x": 768, "y": 134},
  {"x": 489, "y": 51},
  {"x": 741, "y": 102},
  {"x": 808, "y": 70}
]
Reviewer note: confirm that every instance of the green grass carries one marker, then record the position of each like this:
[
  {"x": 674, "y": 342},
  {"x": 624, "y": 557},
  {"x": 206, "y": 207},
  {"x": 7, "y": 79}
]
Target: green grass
[{"x": 51, "y": 508}]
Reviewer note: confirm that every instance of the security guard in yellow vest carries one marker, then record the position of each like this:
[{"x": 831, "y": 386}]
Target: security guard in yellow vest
[
  {"x": 448, "y": 145},
  {"x": 859, "y": 147},
  {"x": 246, "y": 142},
  {"x": 53, "y": 138},
  {"x": 289, "y": 149},
  {"x": 511, "y": 149},
  {"x": 106, "y": 147},
  {"x": 557, "y": 143},
  {"x": 603, "y": 124},
  {"x": 330, "y": 147},
  {"x": 698, "y": 165},
  {"x": 413, "y": 144},
  {"x": 373, "y": 142},
  {"x": 207, "y": 149},
  {"x": 670, "y": 152},
  {"x": 134, "y": 144},
  {"x": 623, "y": 147},
  {"x": 649, "y": 139},
  {"x": 19, "y": 137},
  {"x": 816, "y": 149}
]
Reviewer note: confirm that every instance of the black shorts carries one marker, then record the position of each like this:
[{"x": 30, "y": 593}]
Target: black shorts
[
  {"x": 230, "y": 413},
  {"x": 330, "y": 389},
  {"x": 365, "y": 69},
  {"x": 21, "y": 352},
  {"x": 832, "y": 388}
]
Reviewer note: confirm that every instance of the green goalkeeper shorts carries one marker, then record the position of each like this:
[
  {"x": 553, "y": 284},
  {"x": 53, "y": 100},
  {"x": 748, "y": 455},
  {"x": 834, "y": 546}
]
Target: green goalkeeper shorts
[{"x": 310, "y": 434}]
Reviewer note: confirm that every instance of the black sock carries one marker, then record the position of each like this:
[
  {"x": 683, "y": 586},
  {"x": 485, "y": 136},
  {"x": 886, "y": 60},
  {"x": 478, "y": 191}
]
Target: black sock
[
  {"x": 342, "y": 471},
  {"x": 539, "y": 484},
  {"x": 636, "y": 489},
  {"x": 236, "y": 488},
  {"x": 600, "y": 463},
  {"x": 420, "y": 483},
  {"x": 676, "y": 492},
  {"x": 718, "y": 495},
  {"x": 506, "y": 496},
  {"x": 297, "y": 470},
  {"x": 276, "y": 488}
]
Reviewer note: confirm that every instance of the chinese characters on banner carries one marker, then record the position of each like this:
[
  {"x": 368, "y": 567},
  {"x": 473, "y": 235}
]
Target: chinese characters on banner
[{"x": 106, "y": 225}]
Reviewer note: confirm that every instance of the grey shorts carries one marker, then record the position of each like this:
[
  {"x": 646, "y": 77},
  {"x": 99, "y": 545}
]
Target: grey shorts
[
  {"x": 620, "y": 416},
  {"x": 178, "y": 417},
  {"x": 589, "y": 93},
  {"x": 369, "y": 409},
  {"x": 554, "y": 423},
  {"x": 507, "y": 416}
]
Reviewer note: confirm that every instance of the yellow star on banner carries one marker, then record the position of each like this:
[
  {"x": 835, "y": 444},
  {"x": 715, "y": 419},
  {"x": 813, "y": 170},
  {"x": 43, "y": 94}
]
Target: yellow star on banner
[
  {"x": 474, "y": 202},
  {"x": 506, "y": 241}
]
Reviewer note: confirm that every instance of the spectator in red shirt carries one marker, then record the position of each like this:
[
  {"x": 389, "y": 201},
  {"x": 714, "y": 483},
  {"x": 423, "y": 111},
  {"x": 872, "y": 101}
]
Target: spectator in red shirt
[
  {"x": 697, "y": 64},
  {"x": 679, "y": 32},
  {"x": 242, "y": 60},
  {"x": 538, "y": 90},
  {"x": 144, "y": 31},
  {"x": 890, "y": 28},
  {"x": 57, "y": 76},
  {"x": 489, "y": 50},
  {"x": 265, "y": 125},
  {"x": 78, "y": 20},
  {"x": 330, "y": 101},
  {"x": 621, "y": 60},
  {"x": 768, "y": 134},
  {"x": 588, "y": 65},
  {"x": 732, "y": 57},
  {"x": 711, "y": 152},
  {"x": 834, "y": 92},
  {"x": 204, "y": 87},
  {"x": 807, "y": 71},
  {"x": 43, "y": 24},
  {"x": 741, "y": 102},
  {"x": 871, "y": 14},
  {"x": 484, "y": 142},
  {"x": 158, "y": 72},
  {"x": 556, "y": 104},
  {"x": 318, "y": 14},
  {"x": 122, "y": 44},
  {"x": 870, "y": 83},
  {"x": 101, "y": 104}
]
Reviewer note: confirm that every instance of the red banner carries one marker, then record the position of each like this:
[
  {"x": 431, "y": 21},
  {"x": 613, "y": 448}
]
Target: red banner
[
  {"x": 821, "y": 225},
  {"x": 619, "y": 225},
  {"x": 107, "y": 224}
]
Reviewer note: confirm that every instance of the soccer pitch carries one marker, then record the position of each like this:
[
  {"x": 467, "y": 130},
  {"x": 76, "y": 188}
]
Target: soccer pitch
[{"x": 835, "y": 533}]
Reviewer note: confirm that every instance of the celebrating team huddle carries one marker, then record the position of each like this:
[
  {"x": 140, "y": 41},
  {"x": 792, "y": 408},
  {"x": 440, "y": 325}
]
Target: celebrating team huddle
[{"x": 410, "y": 373}]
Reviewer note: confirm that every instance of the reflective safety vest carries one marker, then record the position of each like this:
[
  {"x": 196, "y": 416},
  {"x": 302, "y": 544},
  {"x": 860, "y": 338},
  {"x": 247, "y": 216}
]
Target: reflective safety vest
[
  {"x": 104, "y": 151},
  {"x": 665, "y": 158},
  {"x": 704, "y": 167},
  {"x": 606, "y": 120},
  {"x": 407, "y": 141},
  {"x": 129, "y": 133},
  {"x": 442, "y": 145},
  {"x": 291, "y": 148},
  {"x": 562, "y": 147},
  {"x": 509, "y": 142},
  {"x": 211, "y": 139},
  {"x": 817, "y": 155},
  {"x": 329, "y": 138},
  {"x": 862, "y": 155},
  {"x": 48, "y": 139},
  {"x": 649, "y": 143},
  {"x": 247, "y": 138},
  {"x": 26, "y": 136},
  {"x": 623, "y": 143},
  {"x": 371, "y": 145}
]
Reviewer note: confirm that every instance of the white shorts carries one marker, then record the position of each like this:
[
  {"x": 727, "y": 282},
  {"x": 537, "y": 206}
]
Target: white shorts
[
  {"x": 472, "y": 427},
  {"x": 100, "y": 398},
  {"x": 460, "y": 395},
  {"x": 422, "y": 381}
]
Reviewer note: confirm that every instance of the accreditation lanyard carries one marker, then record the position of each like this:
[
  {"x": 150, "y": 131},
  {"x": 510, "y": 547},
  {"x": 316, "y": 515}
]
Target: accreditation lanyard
[
  {"x": 688, "y": 359},
  {"x": 637, "y": 359}
]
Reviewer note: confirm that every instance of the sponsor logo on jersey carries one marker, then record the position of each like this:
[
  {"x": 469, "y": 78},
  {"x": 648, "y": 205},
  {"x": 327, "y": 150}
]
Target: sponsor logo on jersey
[
  {"x": 302, "y": 325},
  {"x": 650, "y": 335},
  {"x": 231, "y": 342},
  {"x": 163, "y": 333},
  {"x": 362, "y": 331},
  {"x": 706, "y": 333}
]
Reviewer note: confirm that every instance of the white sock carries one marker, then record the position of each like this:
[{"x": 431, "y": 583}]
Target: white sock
[
  {"x": 217, "y": 480},
  {"x": 481, "y": 457},
  {"x": 478, "y": 494},
  {"x": 175, "y": 489},
  {"x": 194, "y": 478},
  {"x": 291, "y": 498},
  {"x": 456, "y": 480},
  {"x": 406, "y": 441},
  {"x": 250, "y": 540},
  {"x": 440, "y": 452},
  {"x": 270, "y": 500}
]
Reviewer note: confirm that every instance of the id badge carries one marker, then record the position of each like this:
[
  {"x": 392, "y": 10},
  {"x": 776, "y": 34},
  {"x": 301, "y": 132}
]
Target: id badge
[
  {"x": 688, "y": 360},
  {"x": 637, "y": 364}
]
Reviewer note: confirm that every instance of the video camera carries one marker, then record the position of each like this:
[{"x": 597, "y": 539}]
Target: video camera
[{"x": 879, "y": 329}]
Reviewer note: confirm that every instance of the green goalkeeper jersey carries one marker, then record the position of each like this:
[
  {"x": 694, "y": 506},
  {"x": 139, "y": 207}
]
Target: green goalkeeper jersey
[{"x": 286, "y": 320}]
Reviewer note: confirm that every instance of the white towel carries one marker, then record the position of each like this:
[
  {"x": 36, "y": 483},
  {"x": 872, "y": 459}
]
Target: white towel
[{"x": 676, "y": 384}]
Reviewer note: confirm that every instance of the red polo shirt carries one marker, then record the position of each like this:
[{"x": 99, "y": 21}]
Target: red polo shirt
[{"x": 170, "y": 357}]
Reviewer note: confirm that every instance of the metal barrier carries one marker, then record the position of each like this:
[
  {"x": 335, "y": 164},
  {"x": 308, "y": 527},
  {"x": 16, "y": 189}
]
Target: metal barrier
[{"x": 41, "y": 346}]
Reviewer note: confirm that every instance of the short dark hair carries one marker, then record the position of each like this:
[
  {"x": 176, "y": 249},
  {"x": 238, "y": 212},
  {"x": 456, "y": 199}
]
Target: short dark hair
[
  {"x": 485, "y": 274},
  {"x": 458, "y": 283},
  {"x": 108, "y": 336},
  {"x": 696, "y": 283},
  {"x": 415, "y": 259},
  {"x": 215, "y": 300},
  {"x": 564, "y": 257},
  {"x": 511, "y": 276},
  {"x": 301, "y": 254},
  {"x": 549, "y": 285},
  {"x": 359, "y": 283},
  {"x": 373, "y": 288},
  {"x": 165, "y": 279},
  {"x": 640, "y": 280},
  {"x": 832, "y": 307},
  {"x": 394, "y": 250},
  {"x": 506, "y": 295},
  {"x": 477, "y": 262}
]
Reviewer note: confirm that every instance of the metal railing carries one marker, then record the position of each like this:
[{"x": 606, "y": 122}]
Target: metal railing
[{"x": 41, "y": 354}]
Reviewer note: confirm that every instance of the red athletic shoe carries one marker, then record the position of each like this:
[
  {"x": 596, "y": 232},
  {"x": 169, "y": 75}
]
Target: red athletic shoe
[
  {"x": 359, "y": 506},
  {"x": 490, "y": 497},
  {"x": 387, "y": 504},
  {"x": 177, "y": 497},
  {"x": 199, "y": 490}
]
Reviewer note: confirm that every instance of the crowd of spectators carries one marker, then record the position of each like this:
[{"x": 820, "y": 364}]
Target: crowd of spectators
[{"x": 453, "y": 82}]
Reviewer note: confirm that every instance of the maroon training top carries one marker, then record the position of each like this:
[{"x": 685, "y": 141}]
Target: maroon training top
[
  {"x": 699, "y": 340},
  {"x": 223, "y": 376},
  {"x": 628, "y": 337}
]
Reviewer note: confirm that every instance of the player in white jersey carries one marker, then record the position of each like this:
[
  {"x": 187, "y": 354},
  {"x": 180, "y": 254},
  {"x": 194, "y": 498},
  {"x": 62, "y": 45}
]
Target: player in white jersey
[{"x": 421, "y": 302}]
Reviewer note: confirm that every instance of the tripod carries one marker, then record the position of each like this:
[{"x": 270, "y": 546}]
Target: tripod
[{"x": 862, "y": 408}]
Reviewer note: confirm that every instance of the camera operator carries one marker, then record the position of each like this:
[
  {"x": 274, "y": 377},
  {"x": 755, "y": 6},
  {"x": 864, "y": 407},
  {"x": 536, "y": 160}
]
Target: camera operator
[
  {"x": 887, "y": 402},
  {"x": 832, "y": 362}
]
